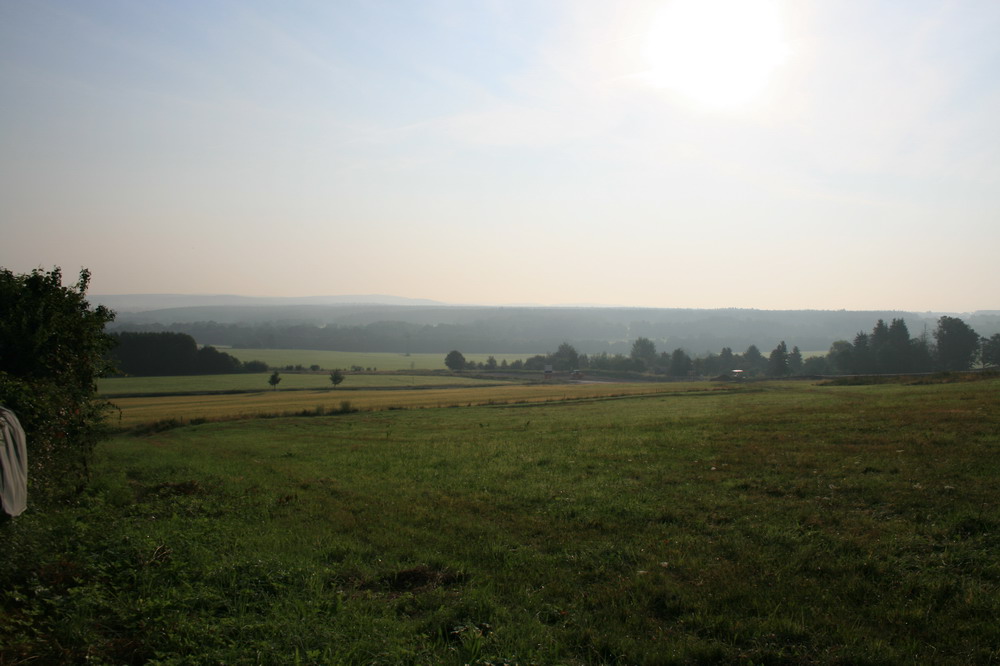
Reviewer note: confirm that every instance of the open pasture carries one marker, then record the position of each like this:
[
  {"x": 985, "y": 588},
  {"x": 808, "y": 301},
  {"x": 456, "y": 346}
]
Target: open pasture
[
  {"x": 787, "y": 524},
  {"x": 329, "y": 360},
  {"x": 133, "y": 411},
  {"x": 116, "y": 386}
]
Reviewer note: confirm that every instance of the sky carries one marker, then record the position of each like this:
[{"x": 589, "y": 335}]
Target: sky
[{"x": 809, "y": 154}]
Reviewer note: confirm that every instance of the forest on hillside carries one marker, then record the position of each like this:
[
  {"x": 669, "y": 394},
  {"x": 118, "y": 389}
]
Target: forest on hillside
[
  {"x": 888, "y": 349},
  {"x": 431, "y": 329}
]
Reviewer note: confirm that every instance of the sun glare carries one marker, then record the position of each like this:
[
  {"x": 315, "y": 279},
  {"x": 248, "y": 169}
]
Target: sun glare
[{"x": 719, "y": 54}]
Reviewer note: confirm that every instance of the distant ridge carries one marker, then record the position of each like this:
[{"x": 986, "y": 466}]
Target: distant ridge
[
  {"x": 144, "y": 302},
  {"x": 357, "y": 323}
]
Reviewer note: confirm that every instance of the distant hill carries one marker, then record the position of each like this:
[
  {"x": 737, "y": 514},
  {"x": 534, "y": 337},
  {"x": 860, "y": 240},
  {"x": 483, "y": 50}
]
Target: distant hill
[
  {"x": 146, "y": 302},
  {"x": 422, "y": 326}
]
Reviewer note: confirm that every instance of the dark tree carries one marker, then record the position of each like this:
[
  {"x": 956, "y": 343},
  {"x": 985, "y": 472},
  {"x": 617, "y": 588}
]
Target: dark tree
[
  {"x": 841, "y": 357},
  {"x": 777, "y": 362},
  {"x": 620, "y": 362},
  {"x": 816, "y": 365},
  {"x": 879, "y": 338},
  {"x": 565, "y": 358},
  {"x": 957, "y": 344},
  {"x": 454, "y": 360},
  {"x": 899, "y": 353},
  {"x": 680, "y": 363},
  {"x": 991, "y": 350},
  {"x": 727, "y": 362},
  {"x": 706, "y": 365},
  {"x": 274, "y": 380},
  {"x": 211, "y": 361},
  {"x": 144, "y": 354},
  {"x": 336, "y": 377},
  {"x": 795, "y": 361},
  {"x": 491, "y": 363},
  {"x": 863, "y": 361},
  {"x": 644, "y": 350},
  {"x": 753, "y": 361},
  {"x": 52, "y": 350}
]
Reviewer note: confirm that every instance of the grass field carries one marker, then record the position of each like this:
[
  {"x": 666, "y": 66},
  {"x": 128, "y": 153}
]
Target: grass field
[
  {"x": 112, "y": 386},
  {"x": 784, "y": 523},
  {"x": 334, "y": 359}
]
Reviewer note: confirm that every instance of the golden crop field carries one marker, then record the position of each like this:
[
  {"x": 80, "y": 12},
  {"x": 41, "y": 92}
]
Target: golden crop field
[{"x": 135, "y": 411}]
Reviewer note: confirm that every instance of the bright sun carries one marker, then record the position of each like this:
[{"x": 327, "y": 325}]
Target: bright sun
[{"x": 719, "y": 54}]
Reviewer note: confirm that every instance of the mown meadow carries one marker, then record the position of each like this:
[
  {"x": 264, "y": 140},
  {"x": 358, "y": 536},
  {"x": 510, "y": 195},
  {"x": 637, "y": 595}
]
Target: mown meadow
[
  {"x": 258, "y": 381},
  {"x": 344, "y": 360},
  {"x": 767, "y": 523}
]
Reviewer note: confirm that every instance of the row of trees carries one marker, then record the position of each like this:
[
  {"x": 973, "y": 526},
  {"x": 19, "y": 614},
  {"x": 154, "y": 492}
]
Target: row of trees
[
  {"x": 643, "y": 358},
  {"x": 888, "y": 349},
  {"x": 486, "y": 330},
  {"x": 336, "y": 378},
  {"x": 160, "y": 354}
]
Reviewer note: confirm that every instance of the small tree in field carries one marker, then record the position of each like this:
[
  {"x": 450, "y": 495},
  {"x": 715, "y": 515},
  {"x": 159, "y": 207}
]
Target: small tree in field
[
  {"x": 454, "y": 360},
  {"x": 336, "y": 376},
  {"x": 274, "y": 380}
]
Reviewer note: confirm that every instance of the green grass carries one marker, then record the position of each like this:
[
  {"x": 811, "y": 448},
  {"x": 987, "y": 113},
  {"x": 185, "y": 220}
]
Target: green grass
[
  {"x": 335, "y": 359},
  {"x": 780, "y": 523},
  {"x": 112, "y": 386}
]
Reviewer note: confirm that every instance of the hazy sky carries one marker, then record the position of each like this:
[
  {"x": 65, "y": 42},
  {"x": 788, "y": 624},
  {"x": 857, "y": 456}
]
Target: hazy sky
[{"x": 829, "y": 154}]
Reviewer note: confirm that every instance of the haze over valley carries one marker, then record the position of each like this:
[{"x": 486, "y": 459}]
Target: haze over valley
[{"x": 756, "y": 154}]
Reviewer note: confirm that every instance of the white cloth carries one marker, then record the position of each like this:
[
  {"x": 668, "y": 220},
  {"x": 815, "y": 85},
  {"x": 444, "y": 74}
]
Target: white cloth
[{"x": 13, "y": 464}]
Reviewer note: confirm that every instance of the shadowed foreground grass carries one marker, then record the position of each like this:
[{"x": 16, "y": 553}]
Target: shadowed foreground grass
[{"x": 790, "y": 525}]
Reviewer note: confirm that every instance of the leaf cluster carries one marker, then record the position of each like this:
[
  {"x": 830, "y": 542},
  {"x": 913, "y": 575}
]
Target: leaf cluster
[{"x": 52, "y": 350}]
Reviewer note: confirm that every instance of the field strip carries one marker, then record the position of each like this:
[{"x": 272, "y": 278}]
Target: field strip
[
  {"x": 256, "y": 382},
  {"x": 279, "y": 358},
  {"x": 140, "y": 410}
]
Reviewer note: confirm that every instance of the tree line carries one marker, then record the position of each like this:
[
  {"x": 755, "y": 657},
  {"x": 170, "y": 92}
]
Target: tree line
[
  {"x": 887, "y": 349},
  {"x": 516, "y": 330},
  {"x": 160, "y": 354}
]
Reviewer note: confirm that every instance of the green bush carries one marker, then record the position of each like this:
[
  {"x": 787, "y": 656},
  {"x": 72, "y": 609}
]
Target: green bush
[{"x": 52, "y": 349}]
